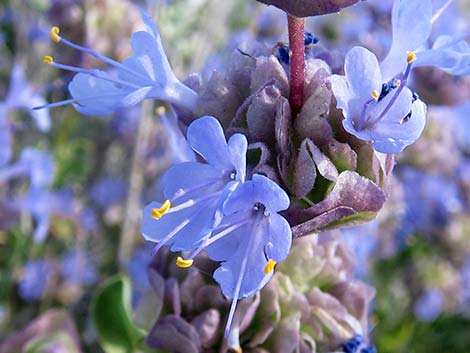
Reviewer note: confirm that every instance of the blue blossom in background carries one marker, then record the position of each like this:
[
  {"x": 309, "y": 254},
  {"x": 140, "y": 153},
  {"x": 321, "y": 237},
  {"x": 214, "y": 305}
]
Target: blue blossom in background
[
  {"x": 411, "y": 33},
  {"x": 42, "y": 204},
  {"x": 77, "y": 267},
  {"x": 34, "y": 164},
  {"x": 108, "y": 191},
  {"x": 465, "y": 282},
  {"x": 363, "y": 241},
  {"x": 20, "y": 96},
  {"x": 389, "y": 115},
  {"x": 35, "y": 279},
  {"x": 145, "y": 74},
  {"x": 195, "y": 191},
  {"x": 429, "y": 305},
  {"x": 427, "y": 211},
  {"x": 39, "y": 167},
  {"x": 137, "y": 269},
  {"x": 460, "y": 123}
]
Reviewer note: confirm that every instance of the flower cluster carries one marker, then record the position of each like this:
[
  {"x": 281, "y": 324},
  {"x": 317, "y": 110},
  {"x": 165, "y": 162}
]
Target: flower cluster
[{"x": 210, "y": 206}]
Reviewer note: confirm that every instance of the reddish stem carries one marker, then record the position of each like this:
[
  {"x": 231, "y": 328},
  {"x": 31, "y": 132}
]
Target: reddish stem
[{"x": 297, "y": 62}]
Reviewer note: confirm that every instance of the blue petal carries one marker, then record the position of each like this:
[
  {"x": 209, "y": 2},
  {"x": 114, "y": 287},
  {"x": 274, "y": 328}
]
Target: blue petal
[
  {"x": 259, "y": 190},
  {"x": 447, "y": 54},
  {"x": 226, "y": 247},
  {"x": 342, "y": 92},
  {"x": 181, "y": 151},
  {"x": 273, "y": 230},
  {"x": 411, "y": 27},
  {"x": 95, "y": 96},
  {"x": 392, "y": 134},
  {"x": 254, "y": 278},
  {"x": 201, "y": 219},
  {"x": 148, "y": 57},
  {"x": 238, "y": 145},
  {"x": 206, "y": 137},
  {"x": 362, "y": 72},
  {"x": 190, "y": 175},
  {"x": 150, "y": 25},
  {"x": 280, "y": 236},
  {"x": 149, "y": 60},
  {"x": 149, "y": 66}
]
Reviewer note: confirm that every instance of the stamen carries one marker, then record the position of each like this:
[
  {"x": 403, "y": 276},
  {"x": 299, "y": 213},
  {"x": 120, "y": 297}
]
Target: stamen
[
  {"x": 411, "y": 57},
  {"x": 241, "y": 275},
  {"x": 441, "y": 10},
  {"x": 362, "y": 119},
  {"x": 169, "y": 236},
  {"x": 192, "y": 202},
  {"x": 215, "y": 238},
  {"x": 180, "y": 262},
  {"x": 181, "y": 192},
  {"x": 269, "y": 266},
  {"x": 158, "y": 213},
  {"x": 74, "y": 100},
  {"x": 48, "y": 59},
  {"x": 92, "y": 72},
  {"x": 400, "y": 84},
  {"x": 375, "y": 94},
  {"x": 54, "y": 34},
  {"x": 175, "y": 231}
]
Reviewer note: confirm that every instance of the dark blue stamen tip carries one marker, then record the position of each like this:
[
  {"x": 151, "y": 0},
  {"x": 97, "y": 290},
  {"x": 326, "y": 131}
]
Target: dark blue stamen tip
[
  {"x": 309, "y": 39},
  {"x": 407, "y": 117},
  {"x": 353, "y": 344},
  {"x": 370, "y": 349},
  {"x": 387, "y": 87},
  {"x": 281, "y": 51}
]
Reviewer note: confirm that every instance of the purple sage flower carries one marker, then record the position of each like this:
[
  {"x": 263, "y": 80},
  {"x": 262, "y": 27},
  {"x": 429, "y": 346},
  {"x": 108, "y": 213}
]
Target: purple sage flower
[
  {"x": 145, "y": 74},
  {"x": 389, "y": 114},
  {"x": 195, "y": 191},
  {"x": 411, "y": 33}
]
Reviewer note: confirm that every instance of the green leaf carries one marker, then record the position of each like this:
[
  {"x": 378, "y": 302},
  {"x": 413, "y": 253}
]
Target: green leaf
[{"x": 112, "y": 317}]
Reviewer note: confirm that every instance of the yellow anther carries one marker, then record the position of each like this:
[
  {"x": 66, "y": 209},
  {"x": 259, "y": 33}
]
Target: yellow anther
[
  {"x": 161, "y": 110},
  {"x": 54, "y": 34},
  {"x": 180, "y": 262},
  {"x": 375, "y": 94},
  {"x": 48, "y": 59},
  {"x": 397, "y": 83},
  {"x": 159, "y": 212},
  {"x": 411, "y": 57},
  {"x": 269, "y": 266}
]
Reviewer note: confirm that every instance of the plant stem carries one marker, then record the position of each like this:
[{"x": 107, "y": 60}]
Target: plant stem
[
  {"x": 133, "y": 210},
  {"x": 297, "y": 62}
]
